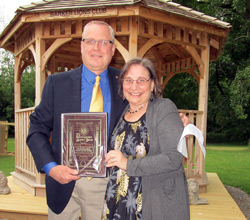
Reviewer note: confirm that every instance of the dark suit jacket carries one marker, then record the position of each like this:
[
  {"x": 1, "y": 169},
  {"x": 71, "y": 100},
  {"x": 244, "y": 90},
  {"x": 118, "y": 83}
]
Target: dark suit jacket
[{"x": 62, "y": 94}]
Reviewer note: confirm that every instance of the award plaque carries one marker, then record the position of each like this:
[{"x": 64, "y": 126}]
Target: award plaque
[{"x": 84, "y": 142}]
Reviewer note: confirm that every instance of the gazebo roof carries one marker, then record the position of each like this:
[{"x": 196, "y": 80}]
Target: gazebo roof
[
  {"x": 178, "y": 25},
  {"x": 164, "y": 5}
]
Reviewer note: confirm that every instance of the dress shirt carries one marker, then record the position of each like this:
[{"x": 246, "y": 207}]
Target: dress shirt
[{"x": 88, "y": 82}]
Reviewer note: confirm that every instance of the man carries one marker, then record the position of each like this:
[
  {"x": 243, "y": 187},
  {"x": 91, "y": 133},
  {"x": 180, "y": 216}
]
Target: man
[{"x": 68, "y": 92}]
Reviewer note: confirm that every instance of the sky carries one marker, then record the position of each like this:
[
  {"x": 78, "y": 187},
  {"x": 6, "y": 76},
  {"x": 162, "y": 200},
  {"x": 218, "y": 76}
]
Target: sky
[{"x": 8, "y": 8}]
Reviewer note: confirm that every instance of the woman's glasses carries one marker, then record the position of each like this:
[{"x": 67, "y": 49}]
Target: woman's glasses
[{"x": 141, "y": 81}]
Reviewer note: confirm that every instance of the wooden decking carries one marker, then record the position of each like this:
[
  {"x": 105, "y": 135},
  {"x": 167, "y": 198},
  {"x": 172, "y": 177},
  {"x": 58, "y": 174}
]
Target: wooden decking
[
  {"x": 21, "y": 205},
  {"x": 221, "y": 205}
]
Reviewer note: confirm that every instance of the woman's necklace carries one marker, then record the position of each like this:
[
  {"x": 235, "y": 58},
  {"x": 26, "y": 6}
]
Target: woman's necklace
[{"x": 137, "y": 110}]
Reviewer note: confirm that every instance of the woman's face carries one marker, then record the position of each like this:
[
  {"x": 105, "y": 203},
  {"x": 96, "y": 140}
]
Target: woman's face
[{"x": 137, "y": 85}]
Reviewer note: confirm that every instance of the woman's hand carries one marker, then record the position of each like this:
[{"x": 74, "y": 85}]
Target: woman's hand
[
  {"x": 116, "y": 158},
  {"x": 184, "y": 119}
]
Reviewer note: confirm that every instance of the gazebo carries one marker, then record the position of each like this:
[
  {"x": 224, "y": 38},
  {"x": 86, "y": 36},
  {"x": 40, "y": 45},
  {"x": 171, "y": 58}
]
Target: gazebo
[{"x": 177, "y": 39}]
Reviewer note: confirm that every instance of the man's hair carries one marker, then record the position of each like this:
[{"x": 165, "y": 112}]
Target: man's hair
[{"x": 112, "y": 33}]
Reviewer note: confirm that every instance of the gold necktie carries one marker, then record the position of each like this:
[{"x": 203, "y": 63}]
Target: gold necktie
[{"x": 96, "y": 104}]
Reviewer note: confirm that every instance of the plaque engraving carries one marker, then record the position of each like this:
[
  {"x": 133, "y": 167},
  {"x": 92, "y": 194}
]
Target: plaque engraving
[{"x": 84, "y": 142}]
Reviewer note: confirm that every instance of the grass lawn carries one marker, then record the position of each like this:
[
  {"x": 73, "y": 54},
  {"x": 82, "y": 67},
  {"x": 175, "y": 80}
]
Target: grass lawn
[
  {"x": 7, "y": 163},
  {"x": 231, "y": 163},
  {"x": 11, "y": 145}
]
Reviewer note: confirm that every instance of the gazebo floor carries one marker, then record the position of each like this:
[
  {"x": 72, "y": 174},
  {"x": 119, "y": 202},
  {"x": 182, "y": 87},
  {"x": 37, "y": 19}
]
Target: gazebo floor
[{"x": 21, "y": 205}]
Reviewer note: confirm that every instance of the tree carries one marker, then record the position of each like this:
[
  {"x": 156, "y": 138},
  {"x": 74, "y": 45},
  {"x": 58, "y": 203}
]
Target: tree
[
  {"x": 7, "y": 82},
  {"x": 240, "y": 93},
  {"x": 228, "y": 101},
  {"x": 178, "y": 89},
  {"x": 6, "y": 86},
  {"x": 28, "y": 87}
]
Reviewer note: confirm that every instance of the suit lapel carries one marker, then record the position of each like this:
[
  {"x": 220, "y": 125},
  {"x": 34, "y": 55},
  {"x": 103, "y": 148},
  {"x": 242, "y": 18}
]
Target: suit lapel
[
  {"x": 117, "y": 105},
  {"x": 75, "y": 90},
  {"x": 113, "y": 83}
]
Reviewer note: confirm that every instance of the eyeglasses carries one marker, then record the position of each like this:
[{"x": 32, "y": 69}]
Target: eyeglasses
[
  {"x": 101, "y": 43},
  {"x": 141, "y": 81}
]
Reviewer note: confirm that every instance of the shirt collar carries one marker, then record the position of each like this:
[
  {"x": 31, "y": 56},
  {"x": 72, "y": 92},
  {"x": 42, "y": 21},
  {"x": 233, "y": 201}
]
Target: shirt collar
[{"x": 90, "y": 76}]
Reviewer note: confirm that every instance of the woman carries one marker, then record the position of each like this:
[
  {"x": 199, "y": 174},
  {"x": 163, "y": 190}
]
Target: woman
[{"x": 147, "y": 179}]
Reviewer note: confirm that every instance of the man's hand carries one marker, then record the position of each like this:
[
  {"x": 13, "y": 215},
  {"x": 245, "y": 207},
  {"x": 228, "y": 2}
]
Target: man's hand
[
  {"x": 185, "y": 119},
  {"x": 63, "y": 174},
  {"x": 116, "y": 158}
]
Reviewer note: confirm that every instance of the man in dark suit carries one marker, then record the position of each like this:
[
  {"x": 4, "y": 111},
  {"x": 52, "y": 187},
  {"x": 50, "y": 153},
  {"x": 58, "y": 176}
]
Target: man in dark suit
[{"x": 68, "y": 92}]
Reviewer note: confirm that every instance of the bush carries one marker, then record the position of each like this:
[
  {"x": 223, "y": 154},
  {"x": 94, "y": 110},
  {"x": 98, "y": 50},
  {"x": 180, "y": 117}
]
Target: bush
[{"x": 213, "y": 137}]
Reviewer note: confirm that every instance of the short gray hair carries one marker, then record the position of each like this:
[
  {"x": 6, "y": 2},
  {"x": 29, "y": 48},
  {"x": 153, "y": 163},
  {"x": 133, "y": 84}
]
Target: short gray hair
[{"x": 112, "y": 33}]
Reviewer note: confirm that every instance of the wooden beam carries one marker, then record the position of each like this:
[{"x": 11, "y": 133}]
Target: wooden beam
[
  {"x": 133, "y": 38},
  {"x": 176, "y": 50},
  {"x": 194, "y": 74},
  {"x": 182, "y": 21},
  {"x": 62, "y": 36},
  {"x": 196, "y": 57},
  {"x": 40, "y": 74},
  {"x": 25, "y": 48},
  {"x": 33, "y": 51},
  {"x": 149, "y": 44},
  {"x": 56, "y": 44},
  {"x": 61, "y": 15},
  {"x": 173, "y": 41},
  {"x": 203, "y": 100},
  {"x": 215, "y": 44},
  {"x": 12, "y": 31},
  {"x": 124, "y": 52},
  {"x": 17, "y": 68}
]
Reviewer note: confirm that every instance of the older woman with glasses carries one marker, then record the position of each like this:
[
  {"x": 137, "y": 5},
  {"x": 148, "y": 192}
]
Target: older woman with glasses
[{"x": 147, "y": 179}]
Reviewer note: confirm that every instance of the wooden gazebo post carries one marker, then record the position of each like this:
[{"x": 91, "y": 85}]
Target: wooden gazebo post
[
  {"x": 40, "y": 71},
  {"x": 202, "y": 104}
]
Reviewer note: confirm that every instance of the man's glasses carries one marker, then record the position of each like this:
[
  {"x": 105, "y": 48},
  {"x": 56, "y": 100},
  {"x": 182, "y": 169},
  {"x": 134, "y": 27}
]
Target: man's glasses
[
  {"x": 141, "y": 81},
  {"x": 101, "y": 43}
]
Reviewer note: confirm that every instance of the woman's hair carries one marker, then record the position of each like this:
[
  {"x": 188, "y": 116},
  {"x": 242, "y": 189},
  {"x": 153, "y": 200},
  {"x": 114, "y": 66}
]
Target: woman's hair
[
  {"x": 151, "y": 70},
  {"x": 112, "y": 33}
]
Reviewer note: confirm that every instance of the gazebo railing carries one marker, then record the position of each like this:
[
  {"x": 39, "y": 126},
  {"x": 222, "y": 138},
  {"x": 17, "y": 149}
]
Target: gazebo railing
[
  {"x": 24, "y": 161},
  {"x": 194, "y": 164}
]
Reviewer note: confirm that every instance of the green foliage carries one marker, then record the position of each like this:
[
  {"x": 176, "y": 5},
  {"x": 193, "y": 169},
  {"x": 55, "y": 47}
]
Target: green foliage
[
  {"x": 28, "y": 87},
  {"x": 240, "y": 93},
  {"x": 232, "y": 164},
  {"x": 228, "y": 98},
  {"x": 6, "y": 86},
  {"x": 183, "y": 90}
]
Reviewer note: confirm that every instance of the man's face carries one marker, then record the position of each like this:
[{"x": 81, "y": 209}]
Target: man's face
[{"x": 96, "y": 57}]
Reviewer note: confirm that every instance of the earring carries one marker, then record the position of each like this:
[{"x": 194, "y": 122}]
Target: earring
[{"x": 151, "y": 97}]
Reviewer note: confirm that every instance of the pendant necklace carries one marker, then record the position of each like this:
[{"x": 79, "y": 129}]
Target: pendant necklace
[{"x": 137, "y": 110}]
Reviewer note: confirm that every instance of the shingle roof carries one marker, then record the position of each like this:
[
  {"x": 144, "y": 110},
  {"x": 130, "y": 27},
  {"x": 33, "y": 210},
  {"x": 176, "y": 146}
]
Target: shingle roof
[{"x": 164, "y": 5}]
